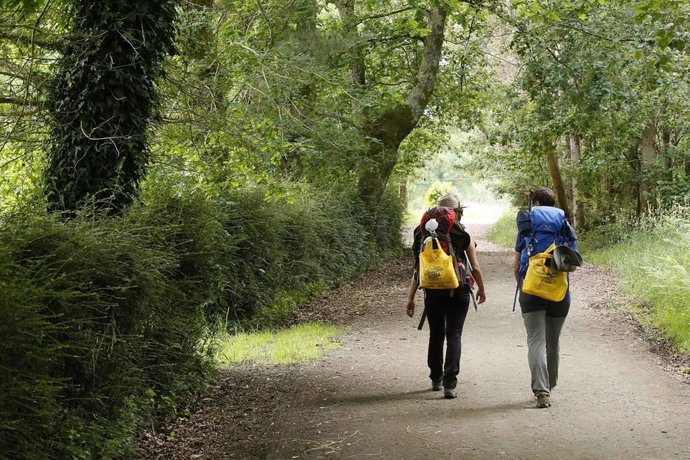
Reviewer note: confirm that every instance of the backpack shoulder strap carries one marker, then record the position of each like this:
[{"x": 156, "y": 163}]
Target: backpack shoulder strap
[
  {"x": 524, "y": 223},
  {"x": 525, "y": 231},
  {"x": 417, "y": 239},
  {"x": 456, "y": 267},
  {"x": 460, "y": 237},
  {"x": 568, "y": 233}
]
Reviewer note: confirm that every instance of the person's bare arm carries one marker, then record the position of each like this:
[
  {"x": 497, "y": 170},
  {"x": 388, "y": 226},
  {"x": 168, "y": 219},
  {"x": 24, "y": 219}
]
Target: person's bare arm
[
  {"x": 476, "y": 271},
  {"x": 410, "y": 297}
]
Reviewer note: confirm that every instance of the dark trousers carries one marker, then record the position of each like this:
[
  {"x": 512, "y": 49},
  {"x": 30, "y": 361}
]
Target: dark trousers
[{"x": 446, "y": 317}]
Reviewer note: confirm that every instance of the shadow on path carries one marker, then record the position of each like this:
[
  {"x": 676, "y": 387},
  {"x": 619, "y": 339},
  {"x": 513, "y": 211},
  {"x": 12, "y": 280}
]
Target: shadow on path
[{"x": 371, "y": 397}]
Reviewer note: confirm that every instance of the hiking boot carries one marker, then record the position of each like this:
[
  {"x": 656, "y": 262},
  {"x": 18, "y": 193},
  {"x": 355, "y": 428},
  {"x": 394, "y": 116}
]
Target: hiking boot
[
  {"x": 450, "y": 393},
  {"x": 543, "y": 401},
  {"x": 436, "y": 385}
]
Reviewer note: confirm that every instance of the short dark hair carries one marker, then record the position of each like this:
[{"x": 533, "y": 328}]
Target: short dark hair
[{"x": 544, "y": 196}]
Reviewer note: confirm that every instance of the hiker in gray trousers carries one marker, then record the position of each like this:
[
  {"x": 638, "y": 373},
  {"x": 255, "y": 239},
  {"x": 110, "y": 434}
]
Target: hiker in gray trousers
[{"x": 543, "y": 318}]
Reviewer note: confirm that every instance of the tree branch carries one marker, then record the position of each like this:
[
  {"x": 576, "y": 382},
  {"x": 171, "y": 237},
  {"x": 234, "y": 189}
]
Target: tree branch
[
  {"x": 428, "y": 69},
  {"x": 18, "y": 101},
  {"x": 269, "y": 24},
  {"x": 346, "y": 10},
  {"x": 31, "y": 41},
  {"x": 384, "y": 15},
  {"x": 394, "y": 38}
]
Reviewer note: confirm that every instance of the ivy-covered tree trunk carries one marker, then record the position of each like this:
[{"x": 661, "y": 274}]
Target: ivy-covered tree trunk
[{"x": 103, "y": 101}]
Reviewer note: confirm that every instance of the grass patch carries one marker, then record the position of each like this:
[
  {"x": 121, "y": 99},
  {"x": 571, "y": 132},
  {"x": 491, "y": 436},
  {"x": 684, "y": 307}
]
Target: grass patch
[
  {"x": 653, "y": 263},
  {"x": 301, "y": 343},
  {"x": 504, "y": 231}
]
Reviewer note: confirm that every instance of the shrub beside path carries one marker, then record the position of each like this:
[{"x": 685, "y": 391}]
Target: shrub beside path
[{"x": 616, "y": 398}]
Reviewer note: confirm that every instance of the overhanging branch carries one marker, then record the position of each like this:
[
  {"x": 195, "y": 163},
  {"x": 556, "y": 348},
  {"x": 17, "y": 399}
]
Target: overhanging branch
[{"x": 384, "y": 15}]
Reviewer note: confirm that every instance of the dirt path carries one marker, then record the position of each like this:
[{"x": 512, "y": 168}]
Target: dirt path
[{"x": 371, "y": 398}]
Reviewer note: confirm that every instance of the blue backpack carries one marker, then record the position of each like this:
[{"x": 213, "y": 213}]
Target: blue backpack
[{"x": 540, "y": 227}]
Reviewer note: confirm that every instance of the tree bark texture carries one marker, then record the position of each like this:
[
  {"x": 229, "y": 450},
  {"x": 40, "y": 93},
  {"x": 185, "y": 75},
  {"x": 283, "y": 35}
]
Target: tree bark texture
[
  {"x": 390, "y": 128},
  {"x": 403, "y": 191},
  {"x": 666, "y": 151},
  {"x": 648, "y": 154},
  {"x": 556, "y": 178},
  {"x": 578, "y": 205},
  {"x": 103, "y": 101}
]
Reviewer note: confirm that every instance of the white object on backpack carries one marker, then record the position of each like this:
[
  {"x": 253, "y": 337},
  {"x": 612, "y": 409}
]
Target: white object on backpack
[{"x": 431, "y": 225}]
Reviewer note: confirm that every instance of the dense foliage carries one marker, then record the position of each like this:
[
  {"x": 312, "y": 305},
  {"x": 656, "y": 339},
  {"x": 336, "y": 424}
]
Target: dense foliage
[
  {"x": 323, "y": 91},
  {"x": 103, "y": 100},
  {"x": 213, "y": 163},
  {"x": 106, "y": 321},
  {"x": 597, "y": 108},
  {"x": 98, "y": 320}
]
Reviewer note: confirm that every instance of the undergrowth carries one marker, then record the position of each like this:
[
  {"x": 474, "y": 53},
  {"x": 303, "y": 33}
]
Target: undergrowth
[
  {"x": 652, "y": 258},
  {"x": 108, "y": 321}
]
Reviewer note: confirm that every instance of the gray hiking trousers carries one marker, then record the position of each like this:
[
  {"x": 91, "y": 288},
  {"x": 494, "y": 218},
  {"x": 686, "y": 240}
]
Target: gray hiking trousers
[{"x": 543, "y": 334}]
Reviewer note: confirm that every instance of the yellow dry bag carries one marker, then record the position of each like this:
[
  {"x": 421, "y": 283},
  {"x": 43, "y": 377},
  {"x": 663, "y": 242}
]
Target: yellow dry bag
[
  {"x": 543, "y": 281},
  {"x": 436, "y": 269}
]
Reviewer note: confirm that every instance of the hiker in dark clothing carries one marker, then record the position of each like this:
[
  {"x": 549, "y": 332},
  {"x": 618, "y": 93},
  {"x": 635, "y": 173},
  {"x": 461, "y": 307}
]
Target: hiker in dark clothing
[
  {"x": 537, "y": 230},
  {"x": 445, "y": 312}
]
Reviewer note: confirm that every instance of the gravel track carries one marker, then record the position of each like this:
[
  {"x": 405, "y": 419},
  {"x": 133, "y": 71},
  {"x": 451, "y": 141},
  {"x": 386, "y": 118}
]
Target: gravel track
[{"x": 619, "y": 395}]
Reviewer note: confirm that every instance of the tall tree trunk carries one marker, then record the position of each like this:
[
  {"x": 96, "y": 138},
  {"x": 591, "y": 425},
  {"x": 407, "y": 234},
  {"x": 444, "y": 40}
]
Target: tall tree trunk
[
  {"x": 666, "y": 151},
  {"x": 633, "y": 158},
  {"x": 556, "y": 179},
  {"x": 569, "y": 157},
  {"x": 403, "y": 191},
  {"x": 648, "y": 154},
  {"x": 103, "y": 100},
  {"x": 390, "y": 128},
  {"x": 575, "y": 153}
]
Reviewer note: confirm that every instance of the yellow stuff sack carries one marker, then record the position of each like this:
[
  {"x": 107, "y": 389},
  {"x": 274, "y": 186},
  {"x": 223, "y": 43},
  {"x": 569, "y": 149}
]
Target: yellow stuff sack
[
  {"x": 542, "y": 280},
  {"x": 436, "y": 269}
]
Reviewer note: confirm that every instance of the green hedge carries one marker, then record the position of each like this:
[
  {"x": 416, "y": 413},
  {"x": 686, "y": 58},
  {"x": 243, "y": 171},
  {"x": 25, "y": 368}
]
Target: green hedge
[
  {"x": 106, "y": 321},
  {"x": 101, "y": 306},
  {"x": 652, "y": 258}
]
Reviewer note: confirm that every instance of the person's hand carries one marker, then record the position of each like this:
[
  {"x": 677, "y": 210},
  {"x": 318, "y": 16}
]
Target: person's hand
[
  {"x": 410, "y": 308},
  {"x": 481, "y": 296}
]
